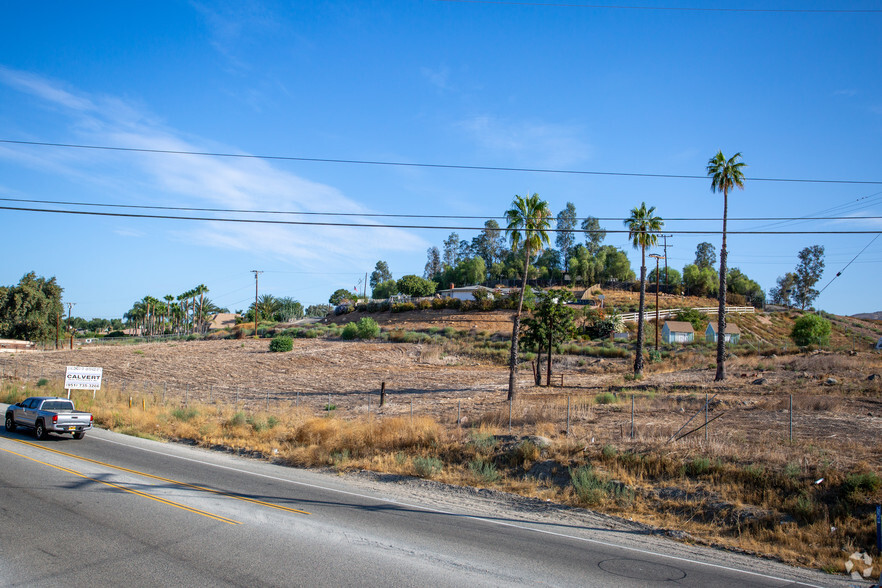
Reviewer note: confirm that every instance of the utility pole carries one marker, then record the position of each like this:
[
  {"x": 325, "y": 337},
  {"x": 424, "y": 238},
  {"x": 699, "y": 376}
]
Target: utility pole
[
  {"x": 58, "y": 327},
  {"x": 70, "y": 306},
  {"x": 665, "y": 237},
  {"x": 657, "y": 257},
  {"x": 256, "y": 272}
]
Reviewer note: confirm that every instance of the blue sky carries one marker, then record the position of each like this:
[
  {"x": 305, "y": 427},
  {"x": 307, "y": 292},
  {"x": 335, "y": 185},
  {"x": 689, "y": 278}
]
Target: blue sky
[{"x": 470, "y": 83}]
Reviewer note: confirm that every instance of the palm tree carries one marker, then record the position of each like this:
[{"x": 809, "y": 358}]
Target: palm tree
[
  {"x": 725, "y": 174},
  {"x": 201, "y": 289},
  {"x": 643, "y": 229},
  {"x": 168, "y": 313},
  {"x": 528, "y": 219}
]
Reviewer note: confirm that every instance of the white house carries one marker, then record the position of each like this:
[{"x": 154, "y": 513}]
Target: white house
[
  {"x": 677, "y": 332},
  {"x": 733, "y": 333},
  {"x": 463, "y": 292}
]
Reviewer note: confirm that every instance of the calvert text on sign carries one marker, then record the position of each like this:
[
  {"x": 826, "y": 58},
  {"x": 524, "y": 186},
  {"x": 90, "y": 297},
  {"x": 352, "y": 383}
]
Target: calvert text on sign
[{"x": 82, "y": 378}]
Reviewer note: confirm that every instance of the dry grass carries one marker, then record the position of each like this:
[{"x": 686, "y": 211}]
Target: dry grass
[{"x": 746, "y": 485}]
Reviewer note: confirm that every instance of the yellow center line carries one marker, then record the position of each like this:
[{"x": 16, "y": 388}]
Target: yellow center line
[
  {"x": 130, "y": 490},
  {"x": 170, "y": 481}
]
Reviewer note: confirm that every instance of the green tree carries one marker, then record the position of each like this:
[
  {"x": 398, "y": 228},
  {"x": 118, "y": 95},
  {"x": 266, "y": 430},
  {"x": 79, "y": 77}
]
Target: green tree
[
  {"x": 489, "y": 244},
  {"x": 318, "y": 310},
  {"x": 415, "y": 286},
  {"x": 433, "y": 263},
  {"x": 200, "y": 290},
  {"x": 566, "y": 224},
  {"x": 811, "y": 329},
  {"x": 674, "y": 278},
  {"x": 594, "y": 234},
  {"x": 705, "y": 255},
  {"x": 783, "y": 292},
  {"x": 385, "y": 289},
  {"x": 451, "y": 256},
  {"x": 808, "y": 272},
  {"x": 528, "y": 223},
  {"x": 740, "y": 284},
  {"x": 381, "y": 273},
  {"x": 288, "y": 310},
  {"x": 30, "y": 310},
  {"x": 725, "y": 175},
  {"x": 340, "y": 295},
  {"x": 643, "y": 228},
  {"x": 552, "y": 323},
  {"x": 699, "y": 281}
]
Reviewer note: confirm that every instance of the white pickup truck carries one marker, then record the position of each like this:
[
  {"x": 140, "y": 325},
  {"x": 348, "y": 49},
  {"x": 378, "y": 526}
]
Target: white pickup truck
[{"x": 45, "y": 414}]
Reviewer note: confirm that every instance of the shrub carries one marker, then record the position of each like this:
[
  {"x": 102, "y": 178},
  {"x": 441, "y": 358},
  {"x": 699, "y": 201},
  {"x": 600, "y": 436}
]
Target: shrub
[
  {"x": 350, "y": 331},
  {"x": 589, "y": 488},
  {"x": 184, "y": 414},
  {"x": 484, "y": 471},
  {"x": 281, "y": 343},
  {"x": 367, "y": 328},
  {"x": 403, "y": 307},
  {"x": 426, "y": 467},
  {"x": 42, "y": 382},
  {"x": 811, "y": 329},
  {"x": 605, "y": 398},
  {"x": 866, "y": 482}
]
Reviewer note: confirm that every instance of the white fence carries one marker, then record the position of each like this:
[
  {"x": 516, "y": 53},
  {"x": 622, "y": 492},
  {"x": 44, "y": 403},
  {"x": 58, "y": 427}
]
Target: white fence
[{"x": 631, "y": 317}]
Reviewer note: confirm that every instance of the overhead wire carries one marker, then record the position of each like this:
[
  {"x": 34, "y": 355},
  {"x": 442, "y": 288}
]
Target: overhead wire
[
  {"x": 418, "y": 165},
  {"x": 427, "y": 216},
  {"x": 399, "y": 226}
]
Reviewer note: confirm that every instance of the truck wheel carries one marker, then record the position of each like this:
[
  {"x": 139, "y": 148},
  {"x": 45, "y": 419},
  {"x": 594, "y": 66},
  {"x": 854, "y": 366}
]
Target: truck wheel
[
  {"x": 79, "y": 435},
  {"x": 10, "y": 423},
  {"x": 40, "y": 430}
]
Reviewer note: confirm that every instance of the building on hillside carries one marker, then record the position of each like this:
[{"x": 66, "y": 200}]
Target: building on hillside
[
  {"x": 677, "y": 332},
  {"x": 733, "y": 333},
  {"x": 15, "y": 345},
  {"x": 223, "y": 320},
  {"x": 468, "y": 292}
]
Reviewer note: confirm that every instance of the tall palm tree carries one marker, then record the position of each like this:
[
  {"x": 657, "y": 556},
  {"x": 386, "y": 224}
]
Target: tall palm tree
[
  {"x": 168, "y": 312},
  {"x": 725, "y": 174},
  {"x": 643, "y": 229},
  {"x": 528, "y": 220},
  {"x": 201, "y": 289}
]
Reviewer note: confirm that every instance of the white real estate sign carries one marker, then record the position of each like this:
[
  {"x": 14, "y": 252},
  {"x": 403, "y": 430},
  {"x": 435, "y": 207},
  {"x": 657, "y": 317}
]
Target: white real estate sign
[{"x": 82, "y": 378}]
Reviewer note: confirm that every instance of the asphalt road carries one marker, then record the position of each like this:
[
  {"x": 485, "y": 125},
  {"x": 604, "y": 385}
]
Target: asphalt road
[{"x": 114, "y": 510}]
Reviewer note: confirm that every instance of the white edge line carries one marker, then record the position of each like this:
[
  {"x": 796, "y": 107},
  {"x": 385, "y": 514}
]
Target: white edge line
[{"x": 467, "y": 516}]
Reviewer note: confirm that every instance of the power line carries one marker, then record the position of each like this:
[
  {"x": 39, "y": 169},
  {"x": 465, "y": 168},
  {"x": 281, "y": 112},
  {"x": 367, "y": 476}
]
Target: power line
[
  {"x": 673, "y": 8},
  {"x": 839, "y": 273},
  {"x": 390, "y": 226},
  {"x": 423, "y": 165},
  {"x": 431, "y": 216}
]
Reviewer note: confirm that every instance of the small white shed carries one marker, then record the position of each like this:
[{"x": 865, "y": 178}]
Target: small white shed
[
  {"x": 677, "y": 332},
  {"x": 733, "y": 333}
]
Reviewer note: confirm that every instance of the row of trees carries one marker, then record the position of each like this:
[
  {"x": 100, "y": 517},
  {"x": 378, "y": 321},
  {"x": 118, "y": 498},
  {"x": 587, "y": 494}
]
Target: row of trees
[
  {"x": 283, "y": 309},
  {"x": 797, "y": 288},
  {"x": 187, "y": 312}
]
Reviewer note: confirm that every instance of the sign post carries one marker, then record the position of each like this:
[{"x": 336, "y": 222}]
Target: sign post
[{"x": 82, "y": 378}]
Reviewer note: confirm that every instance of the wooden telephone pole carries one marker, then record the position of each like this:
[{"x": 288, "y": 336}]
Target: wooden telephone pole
[
  {"x": 70, "y": 306},
  {"x": 256, "y": 272}
]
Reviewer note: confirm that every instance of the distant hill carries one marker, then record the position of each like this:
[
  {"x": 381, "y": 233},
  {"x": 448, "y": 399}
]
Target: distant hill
[{"x": 869, "y": 316}]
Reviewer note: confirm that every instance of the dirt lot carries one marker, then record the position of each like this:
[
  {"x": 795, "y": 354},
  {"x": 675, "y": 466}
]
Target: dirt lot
[{"x": 837, "y": 410}]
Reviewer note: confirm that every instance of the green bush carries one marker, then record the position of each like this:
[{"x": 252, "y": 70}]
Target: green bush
[
  {"x": 350, "y": 331},
  {"x": 811, "y": 329},
  {"x": 484, "y": 471},
  {"x": 605, "y": 398},
  {"x": 367, "y": 328},
  {"x": 426, "y": 467},
  {"x": 184, "y": 414},
  {"x": 281, "y": 343},
  {"x": 588, "y": 486}
]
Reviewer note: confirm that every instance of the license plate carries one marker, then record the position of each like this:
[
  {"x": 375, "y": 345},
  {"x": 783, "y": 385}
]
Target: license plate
[{"x": 71, "y": 428}]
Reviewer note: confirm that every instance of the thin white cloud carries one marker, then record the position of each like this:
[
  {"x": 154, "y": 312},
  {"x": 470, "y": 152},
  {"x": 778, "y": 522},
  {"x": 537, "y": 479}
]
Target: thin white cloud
[
  {"x": 439, "y": 78},
  {"x": 534, "y": 143},
  {"x": 849, "y": 92},
  {"x": 200, "y": 181}
]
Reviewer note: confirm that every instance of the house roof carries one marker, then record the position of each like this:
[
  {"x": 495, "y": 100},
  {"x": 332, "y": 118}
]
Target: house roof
[
  {"x": 464, "y": 289},
  {"x": 679, "y": 327},
  {"x": 731, "y": 329}
]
